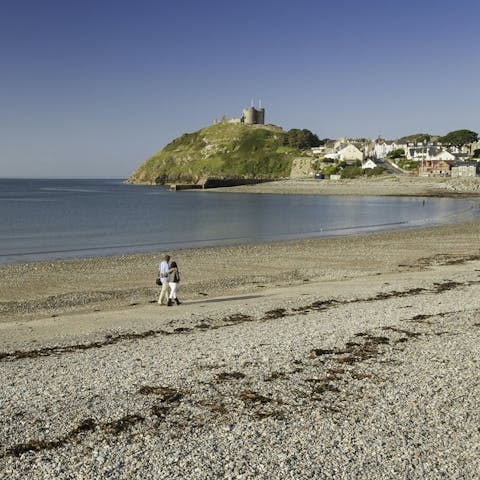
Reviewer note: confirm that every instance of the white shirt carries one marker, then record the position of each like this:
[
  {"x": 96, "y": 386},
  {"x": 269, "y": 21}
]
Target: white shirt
[{"x": 163, "y": 271}]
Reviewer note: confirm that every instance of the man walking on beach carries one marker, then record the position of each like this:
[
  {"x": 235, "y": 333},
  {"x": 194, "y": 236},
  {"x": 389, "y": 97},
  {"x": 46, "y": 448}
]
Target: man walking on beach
[{"x": 164, "y": 266}]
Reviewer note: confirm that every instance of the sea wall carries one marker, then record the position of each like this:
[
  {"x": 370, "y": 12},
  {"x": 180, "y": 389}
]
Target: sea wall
[
  {"x": 218, "y": 183},
  {"x": 232, "y": 182}
]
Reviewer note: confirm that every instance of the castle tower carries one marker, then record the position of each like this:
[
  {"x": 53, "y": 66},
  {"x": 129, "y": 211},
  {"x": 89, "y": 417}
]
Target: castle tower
[
  {"x": 253, "y": 116},
  {"x": 249, "y": 115},
  {"x": 260, "y": 114}
]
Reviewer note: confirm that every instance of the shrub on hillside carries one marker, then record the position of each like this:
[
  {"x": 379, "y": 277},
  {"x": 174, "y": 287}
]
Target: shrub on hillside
[
  {"x": 352, "y": 171},
  {"x": 371, "y": 172},
  {"x": 301, "y": 139}
]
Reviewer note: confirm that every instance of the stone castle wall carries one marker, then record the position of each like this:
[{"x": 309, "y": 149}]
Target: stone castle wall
[
  {"x": 253, "y": 116},
  {"x": 250, "y": 116}
]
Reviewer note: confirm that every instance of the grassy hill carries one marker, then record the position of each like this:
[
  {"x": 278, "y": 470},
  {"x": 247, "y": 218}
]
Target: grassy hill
[
  {"x": 419, "y": 137},
  {"x": 222, "y": 150}
]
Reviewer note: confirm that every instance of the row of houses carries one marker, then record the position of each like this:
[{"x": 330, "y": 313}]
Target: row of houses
[
  {"x": 433, "y": 158},
  {"x": 448, "y": 168},
  {"x": 426, "y": 150},
  {"x": 345, "y": 150}
]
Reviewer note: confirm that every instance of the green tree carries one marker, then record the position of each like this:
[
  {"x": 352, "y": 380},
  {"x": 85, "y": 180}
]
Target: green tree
[
  {"x": 458, "y": 138},
  {"x": 352, "y": 172},
  {"x": 331, "y": 170},
  {"x": 301, "y": 138},
  {"x": 370, "y": 172},
  {"x": 397, "y": 153},
  {"x": 405, "y": 164},
  {"x": 476, "y": 153}
]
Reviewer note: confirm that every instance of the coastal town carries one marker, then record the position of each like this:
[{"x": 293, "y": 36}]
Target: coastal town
[
  {"x": 456, "y": 154},
  {"x": 423, "y": 155}
]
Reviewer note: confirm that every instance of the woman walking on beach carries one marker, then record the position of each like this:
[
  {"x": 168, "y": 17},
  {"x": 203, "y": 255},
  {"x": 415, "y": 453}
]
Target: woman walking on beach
[{"x": 173, "y": 279}]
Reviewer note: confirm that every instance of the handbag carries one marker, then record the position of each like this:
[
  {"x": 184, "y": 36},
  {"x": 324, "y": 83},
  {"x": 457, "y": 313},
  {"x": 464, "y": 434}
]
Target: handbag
[{"x": 158, "y": 281}]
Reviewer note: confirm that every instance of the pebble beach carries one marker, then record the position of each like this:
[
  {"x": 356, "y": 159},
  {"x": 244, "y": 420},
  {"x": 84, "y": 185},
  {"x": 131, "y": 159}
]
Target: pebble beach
[{"x": 337, "y": 358}]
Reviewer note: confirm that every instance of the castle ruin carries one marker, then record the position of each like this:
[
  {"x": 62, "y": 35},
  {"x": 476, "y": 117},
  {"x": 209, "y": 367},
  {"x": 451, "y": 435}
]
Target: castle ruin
[
  {"x": 250, "y": 116},
  {"x": 253, "y": 116}
]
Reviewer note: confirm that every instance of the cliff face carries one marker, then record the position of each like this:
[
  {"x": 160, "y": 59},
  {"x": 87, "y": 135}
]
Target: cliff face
[{"x": 220, "y": 151}]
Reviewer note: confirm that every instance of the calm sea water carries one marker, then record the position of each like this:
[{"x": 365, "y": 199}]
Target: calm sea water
[{"x": 51, "y": 219}]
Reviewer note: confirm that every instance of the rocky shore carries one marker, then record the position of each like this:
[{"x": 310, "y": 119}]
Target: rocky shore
[
  {"x": 351, "y": 357},
  {"x": 383, "y": 185}
]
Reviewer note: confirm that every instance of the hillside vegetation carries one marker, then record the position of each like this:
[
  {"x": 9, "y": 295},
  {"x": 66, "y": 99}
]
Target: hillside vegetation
[
  {"x": 418, "y": 138},
  {"x": 220, "y": 151}
]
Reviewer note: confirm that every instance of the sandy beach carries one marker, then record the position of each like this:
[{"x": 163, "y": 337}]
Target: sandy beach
[{"x": 349, "y": 357}]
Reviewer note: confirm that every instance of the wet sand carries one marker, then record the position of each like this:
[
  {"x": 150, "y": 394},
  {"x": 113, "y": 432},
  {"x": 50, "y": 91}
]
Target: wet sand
[{"x": 46, "y": 289}]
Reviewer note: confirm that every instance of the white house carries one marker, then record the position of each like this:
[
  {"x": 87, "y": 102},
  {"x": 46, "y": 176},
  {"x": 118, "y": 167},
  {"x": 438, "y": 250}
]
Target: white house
[
  {"x": 416, "y": 151},
  {"x": 429, "y": 151},
  {"x": 440, "y": 155},
  {"x": 383, "y": 147},
  {"x": 318, "y": 150},
  {"x": 369, "y": 164},
  {"x": 471, "y": 147},
  {"x": 350, "y": 153}
]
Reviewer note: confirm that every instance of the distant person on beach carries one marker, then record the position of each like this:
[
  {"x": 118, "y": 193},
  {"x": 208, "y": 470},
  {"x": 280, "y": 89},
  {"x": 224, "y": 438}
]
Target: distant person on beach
[
  {"x": 173, "y": 279},
  {"x": 164, "y": 267}
]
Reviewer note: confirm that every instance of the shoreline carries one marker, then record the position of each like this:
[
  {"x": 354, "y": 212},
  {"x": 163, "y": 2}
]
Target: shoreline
[
  {"x": 461, "y": 187},
  {"x": 53, "y": 288}
]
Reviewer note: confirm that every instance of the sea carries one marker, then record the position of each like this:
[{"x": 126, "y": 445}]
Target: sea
[{"x": 48, "y": 219}]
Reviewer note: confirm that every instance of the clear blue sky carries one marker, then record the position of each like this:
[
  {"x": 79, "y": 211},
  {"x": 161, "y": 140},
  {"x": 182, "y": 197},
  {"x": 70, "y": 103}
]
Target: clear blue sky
[{"x": 93, "y": 88}]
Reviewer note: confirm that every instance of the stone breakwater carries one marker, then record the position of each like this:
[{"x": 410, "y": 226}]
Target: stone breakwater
[{"x": 372, "y": 376}]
